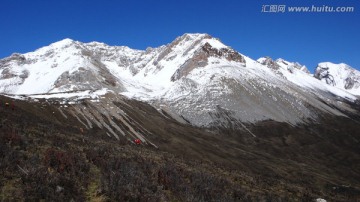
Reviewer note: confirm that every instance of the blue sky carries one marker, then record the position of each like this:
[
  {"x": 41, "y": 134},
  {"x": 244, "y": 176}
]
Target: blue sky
[{"x": 308, "y": 38}]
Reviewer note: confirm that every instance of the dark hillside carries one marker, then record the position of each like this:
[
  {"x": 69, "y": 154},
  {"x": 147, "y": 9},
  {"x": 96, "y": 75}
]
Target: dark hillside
[{"x": 47, "y": 156}]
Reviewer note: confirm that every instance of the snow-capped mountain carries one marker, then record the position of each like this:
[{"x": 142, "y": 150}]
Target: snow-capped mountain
[
  {"x": 195, "y": 79},
  {"x": 283, "y": 64},
  {"x": 63, "y": 66},
  {"x": 340, "y": 75},
  {"x": 291, "y": 65}
]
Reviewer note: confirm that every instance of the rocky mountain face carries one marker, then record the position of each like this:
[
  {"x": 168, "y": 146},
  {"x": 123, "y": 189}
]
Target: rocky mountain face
[
  {"x": 340, "y": 75},
  {"x": 281, "y": 64},
  {"x": 193, "y": 77},
  {"x": 195, "y": 98}
]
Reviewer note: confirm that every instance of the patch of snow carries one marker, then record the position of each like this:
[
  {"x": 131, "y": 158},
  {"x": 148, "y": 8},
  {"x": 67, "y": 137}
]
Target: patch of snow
[
  {"x": 78, "y": 94},
  {"x": 215, "y": 43}
]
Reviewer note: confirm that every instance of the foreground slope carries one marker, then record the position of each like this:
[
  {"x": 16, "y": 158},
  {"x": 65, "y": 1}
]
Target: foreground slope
[{"x": 46, "y": 155}]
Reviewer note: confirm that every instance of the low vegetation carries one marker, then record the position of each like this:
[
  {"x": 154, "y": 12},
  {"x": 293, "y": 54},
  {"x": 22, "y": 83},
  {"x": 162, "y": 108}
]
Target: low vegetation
[{"x": 48, "y": 159}]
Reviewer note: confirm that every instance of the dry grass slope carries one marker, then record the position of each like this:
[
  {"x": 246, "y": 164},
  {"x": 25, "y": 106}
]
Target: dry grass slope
[{"x": 44, "y": 156}]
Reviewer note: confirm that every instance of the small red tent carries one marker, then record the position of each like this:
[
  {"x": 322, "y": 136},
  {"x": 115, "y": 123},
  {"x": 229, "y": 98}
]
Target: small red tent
[{"x": 137, "y": 141}]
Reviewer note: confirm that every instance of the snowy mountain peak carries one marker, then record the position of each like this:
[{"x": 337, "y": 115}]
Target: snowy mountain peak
[
  {"x": 291, "y": 65},
  {"x": 62, "y": 44},
  {"x": 203, "y": 38},
  {"x": 96, "y": 43},
  {"x": 186, "y": 53},
  {"x": 339, "y": 67},
  {"x": 269, "y": 62},
  {"x": 340, "y": 75},
  {"x": 282, "y": 64},
  {"x": 195, "y": 76},
  {"x": 196, "y": 35},
  {"x": 204, "y": 50}
]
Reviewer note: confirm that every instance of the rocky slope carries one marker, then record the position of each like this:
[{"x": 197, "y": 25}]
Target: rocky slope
[
  {"x": 48, "y": 152},
  {"x": 195, "y": 77}
]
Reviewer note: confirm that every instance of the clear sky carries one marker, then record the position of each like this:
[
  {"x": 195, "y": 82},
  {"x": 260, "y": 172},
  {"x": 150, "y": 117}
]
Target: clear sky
[{"x": 308, "y": 38}]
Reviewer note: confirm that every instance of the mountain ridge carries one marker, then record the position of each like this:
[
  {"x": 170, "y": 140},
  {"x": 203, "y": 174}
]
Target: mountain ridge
[
  {"x": 196, "y": 77},
  {"x": 98, "y": 47}
]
